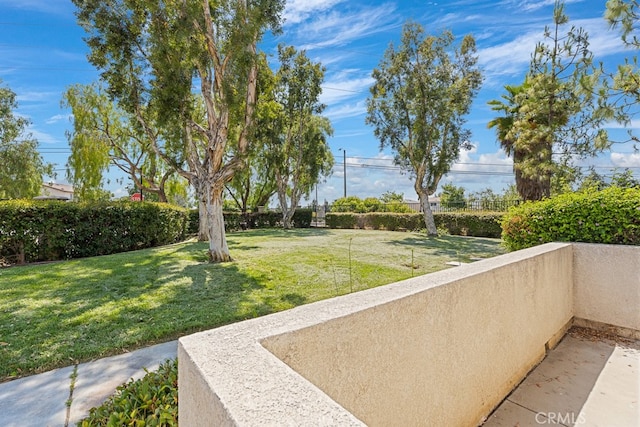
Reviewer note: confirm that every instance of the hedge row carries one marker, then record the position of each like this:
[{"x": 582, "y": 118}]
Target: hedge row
[
  {"x": 609, "y": 216},
  {"x": 478, "y": 224},
  {"x": 51, "y": 230},
  {"x": 32, "y": 231},
  {"x": 235, "y": 221}
]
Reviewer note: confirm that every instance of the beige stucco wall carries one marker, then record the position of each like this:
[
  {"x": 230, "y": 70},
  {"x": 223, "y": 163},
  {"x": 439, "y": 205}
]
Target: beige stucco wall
[
  {"x": 607, "y": 284},
  {"x": 441, "y": 349}
]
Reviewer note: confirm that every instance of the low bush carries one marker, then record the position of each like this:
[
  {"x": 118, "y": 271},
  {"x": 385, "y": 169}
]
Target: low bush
[
  {"x": 53, "y": 230},
  {"x": 149, "y": 401},
  {"x": 368, "y": 205},
  {"x": 608, "y": 216},
  {"x": 235, "y": 221},
  {"x": 345, "y": 220},
  {"x": 193, "y": 222},
  {"x": 478, "y": 224},
  {"x": 393, "y": 221}
]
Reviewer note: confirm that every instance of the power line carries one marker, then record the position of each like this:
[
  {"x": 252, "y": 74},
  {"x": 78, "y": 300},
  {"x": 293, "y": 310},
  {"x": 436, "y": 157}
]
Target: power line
[
  {"x": 468, "y": 164},
  {"x": 340, "y": 90}
]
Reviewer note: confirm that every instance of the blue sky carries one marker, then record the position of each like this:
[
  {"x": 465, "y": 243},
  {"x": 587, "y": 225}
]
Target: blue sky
[{"x": 42, "y": 53}]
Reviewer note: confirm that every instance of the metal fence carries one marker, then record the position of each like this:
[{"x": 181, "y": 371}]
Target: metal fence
[{"x": 476, "y": 205}]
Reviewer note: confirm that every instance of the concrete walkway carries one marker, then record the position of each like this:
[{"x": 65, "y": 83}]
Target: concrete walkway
[
  {"x": 41, "y": 400},
  {"x": 584, "y": 381}
]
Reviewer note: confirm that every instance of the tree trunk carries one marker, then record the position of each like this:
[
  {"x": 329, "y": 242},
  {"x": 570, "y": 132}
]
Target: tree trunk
[
  {"x": 202, "y": 190},
  {"x": 534, "y": 183},
  {"x": 287, "y": 216},
  {"x": 430, "y": 223},
  {"x": 288, "y": 212},
  {"x": 218, "y": 249},
  {"x": 203, "y": 229},
  {"x": 282, "y": 199}
]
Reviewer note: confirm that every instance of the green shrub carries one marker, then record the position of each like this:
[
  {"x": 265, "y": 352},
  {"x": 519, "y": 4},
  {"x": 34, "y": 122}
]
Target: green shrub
[
  {"x": 397, "y": 207},
  {"x": 393, "y": 221},
  {"x": 149, "y": 401},
  {"x": 237, "y": 221},
  {"x": 608, "y": 216},
  {"x": 302, "y": 218},
  {"x": 341, "y": 220},
  {"x": 234, "y": 220},
  {"x": 52, "y": 230},
  {"x": 370, "y": 204},
  {"x": 348, "y": 204},
  {"x": 478, "y": 224},
  {"x": 193, "y": 224}
]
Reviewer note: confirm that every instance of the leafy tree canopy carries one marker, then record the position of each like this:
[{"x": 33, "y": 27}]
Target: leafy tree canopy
[
  {"x": 22, "y": 166},
  {"x": 422, "y": 91}
]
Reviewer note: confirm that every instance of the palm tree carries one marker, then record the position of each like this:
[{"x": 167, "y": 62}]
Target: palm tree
[{"x": 530, "y": 186}]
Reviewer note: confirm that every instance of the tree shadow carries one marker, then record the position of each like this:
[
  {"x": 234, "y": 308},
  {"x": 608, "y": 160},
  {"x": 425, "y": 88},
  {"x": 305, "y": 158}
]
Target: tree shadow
[
  {"x": 281, "y": 232},
  {"x": 119, "y": 303},
  {"x": 454, "y": 246}
]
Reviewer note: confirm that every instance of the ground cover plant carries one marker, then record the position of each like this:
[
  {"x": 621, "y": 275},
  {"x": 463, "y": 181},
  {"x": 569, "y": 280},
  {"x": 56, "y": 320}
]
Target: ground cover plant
[
  {"x": 149, "y": 401},
  {"x": 58, "y": 314}
]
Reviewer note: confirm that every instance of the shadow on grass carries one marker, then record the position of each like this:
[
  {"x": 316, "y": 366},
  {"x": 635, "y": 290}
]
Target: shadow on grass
[
  {"x": 453, "y": 246},
  {"x": 236, "y": 240},
  {"x": 282, "y": 233},
  {"x": 55, "y": 314},
  {"x": 52, "y": 316}
]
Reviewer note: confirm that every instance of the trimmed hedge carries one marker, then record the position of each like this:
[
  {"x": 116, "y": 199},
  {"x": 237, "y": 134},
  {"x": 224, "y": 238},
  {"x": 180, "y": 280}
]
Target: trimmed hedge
[
  {"x": 478, "y": 224},
  {"x": 235, "y": 221},
  {"x": 52, "y": 230},
  {"x": 34, "y": 230},
  {"x": 609, "y": 216}
]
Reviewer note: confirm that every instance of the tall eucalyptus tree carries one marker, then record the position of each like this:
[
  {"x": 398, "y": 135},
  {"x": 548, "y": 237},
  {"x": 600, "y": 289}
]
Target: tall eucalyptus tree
[
  {"x": 422, "y": 91},
  {"x": 161, "y": 56}
]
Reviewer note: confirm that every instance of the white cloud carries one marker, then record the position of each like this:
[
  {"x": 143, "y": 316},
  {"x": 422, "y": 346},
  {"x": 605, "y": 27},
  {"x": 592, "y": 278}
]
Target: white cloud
[
  {"x": 450, "y": 19},
  {"x": 477, "y": 172},
  {"x": 35, "y": 96},
  {"x": 510, "y": 58},
  {"x": 634, "y": 124},
  {"x": 370, "y": 177},
  {"x": 513, "y": 57},
  {"x": 602, "y": 41},
  {"x": 533, "y": 5},
  {"x": 43, "y": 137},
  {"x": 297, "y": 11},
  {"x": 341, "y": 87},
  {"x": 626, "y": 160},
  {"x": 120, "y": 192},
  {"x": 346, "y": 111},
  {"x": 339, "y": 28},
  {"x": 530, "y": 6},
  {"x": 58, "y": 118}
]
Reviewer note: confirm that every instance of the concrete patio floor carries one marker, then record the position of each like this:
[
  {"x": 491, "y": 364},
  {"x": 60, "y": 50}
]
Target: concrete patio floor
[{"x": 589, "y": 379}]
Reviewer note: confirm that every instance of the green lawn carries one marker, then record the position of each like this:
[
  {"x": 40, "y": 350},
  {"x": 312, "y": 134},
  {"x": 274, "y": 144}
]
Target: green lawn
[{"x": 57, "y": 314}]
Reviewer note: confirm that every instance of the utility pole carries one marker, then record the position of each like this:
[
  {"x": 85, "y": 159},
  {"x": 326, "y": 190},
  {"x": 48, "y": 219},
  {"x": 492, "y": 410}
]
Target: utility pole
[{"x": 344, "y": 163}]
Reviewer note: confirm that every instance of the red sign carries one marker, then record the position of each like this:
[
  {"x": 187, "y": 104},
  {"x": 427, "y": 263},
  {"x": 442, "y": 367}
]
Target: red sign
[{"x": 136, "y": 197}]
